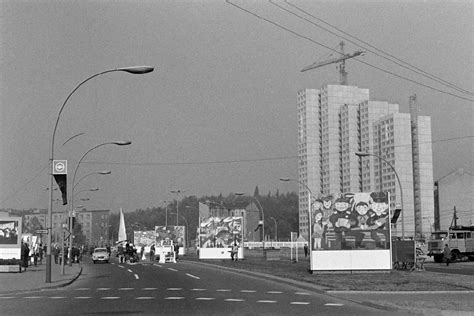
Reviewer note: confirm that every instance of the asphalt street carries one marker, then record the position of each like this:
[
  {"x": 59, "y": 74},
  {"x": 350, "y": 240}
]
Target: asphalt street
[{"x": 184, "y": 288}]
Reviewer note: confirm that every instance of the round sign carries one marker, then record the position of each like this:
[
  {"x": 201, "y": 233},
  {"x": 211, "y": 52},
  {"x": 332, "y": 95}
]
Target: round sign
[{"x": 60, "y": 166}]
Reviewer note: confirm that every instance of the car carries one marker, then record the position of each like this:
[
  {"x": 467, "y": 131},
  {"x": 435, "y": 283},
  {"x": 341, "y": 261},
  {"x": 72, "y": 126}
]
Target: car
[{"x": 100, "y": 254}]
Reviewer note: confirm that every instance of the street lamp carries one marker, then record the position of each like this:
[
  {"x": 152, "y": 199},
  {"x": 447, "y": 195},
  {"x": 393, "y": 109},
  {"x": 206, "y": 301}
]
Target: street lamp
[
  {"x": 177, "y": 197},
  {"x": 262, "y": 217},
  {"x": 310, "y": 206},
  {"x": 166, "y": 213},
  {"x": 276, "y": 228},
  {"x": 187, "y": 228},
  {"x": 132, "y": 70},
  {"x": 102, "y": 173},
  {"x": 365, "y": 154},
  {"x": 119, "y": 143}
]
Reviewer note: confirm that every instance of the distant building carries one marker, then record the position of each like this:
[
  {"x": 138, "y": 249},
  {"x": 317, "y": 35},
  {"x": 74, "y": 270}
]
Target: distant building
[
  {"x": 454, "y": 191},
  {"x": 337, "y": 121}
]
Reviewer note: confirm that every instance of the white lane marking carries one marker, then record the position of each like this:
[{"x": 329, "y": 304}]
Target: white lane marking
[
  {"x": 136, "y": 276},
  {"x": 33, "y": 297},
  {"x": 275, "y": 292},
  {"x": 301, "y": 293},
  {"x": 299, "y": 303},
  {"x": 174, "y": 298},
  {"x": 57, "y": 297},
  {"x": 248, "y": 291},
  {"x": 82, "y": 297},
  {"x": 83, "y": 289},
  {"x": 125, "y": 288},
  {"x": 144, "y": 298},
  {"x": 171, "y": 269},
  {"x": 120, "y": 266},
  {"x": 149, "y": 288},
  {"x": 129, "y": 270},
  {"x": 223, "y": 290},
  {"x": 266, "y": 301},
  {"x": 333, "y": 304},
  {"x": 234, "y": 300},
  {"x": 193, "y": 276},
  {"x": 6, "y": 297},
  {"x": 157, "y": 265},
  {"x": 103, "y": 288},
  {"x": 204, "y": 298},
  {"x": 198, "y": 289},
  {"x": 110, "y": 298},
  {"x": 174, "y": 289}
]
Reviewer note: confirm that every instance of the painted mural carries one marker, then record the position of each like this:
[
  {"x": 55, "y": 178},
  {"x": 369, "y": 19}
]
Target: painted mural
[
  {"x": 9, "y": 232},
  {"x": 220, "y": 232},
  {"x": 175, "y": 233},
  {"x": 351, "y": 221},
  {"x": 144, "y": 238}
]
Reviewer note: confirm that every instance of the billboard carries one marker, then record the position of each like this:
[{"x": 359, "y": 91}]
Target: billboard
[
  {"x": 144, "y": 238},
  {"x": 217, "y": 235},
  {"x": 10, "y": 233},
  {"x": 351, "y": 232},
  {"x": 176, "y": 233}
]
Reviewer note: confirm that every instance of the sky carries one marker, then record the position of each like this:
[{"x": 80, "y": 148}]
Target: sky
[{"x": 218, "y": 114}]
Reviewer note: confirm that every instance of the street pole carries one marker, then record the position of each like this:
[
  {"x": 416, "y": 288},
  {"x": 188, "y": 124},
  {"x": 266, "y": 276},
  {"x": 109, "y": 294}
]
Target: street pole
[
  {"x": 177, "y": 197},
  {"x": 262, "y": 217},
  {"x": 365, "y": 154},
  {"x": 132, "y": 70}
]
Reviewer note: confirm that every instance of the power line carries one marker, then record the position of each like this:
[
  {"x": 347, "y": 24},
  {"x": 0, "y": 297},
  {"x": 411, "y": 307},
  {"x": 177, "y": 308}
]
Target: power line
[
  {"x": 360, "y": 61},
  {"x": 400, "y": 61}
]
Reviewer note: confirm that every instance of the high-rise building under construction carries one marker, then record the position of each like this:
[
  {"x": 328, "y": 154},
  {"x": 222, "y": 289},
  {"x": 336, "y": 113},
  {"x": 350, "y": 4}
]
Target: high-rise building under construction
[{"x": 338, "y": 121}]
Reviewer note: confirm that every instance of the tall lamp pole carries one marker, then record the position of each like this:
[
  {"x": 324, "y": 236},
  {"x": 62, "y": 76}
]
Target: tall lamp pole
[
  {"x": 365, "y": 154},
  {"x": 166, "y": 213},
  {"x": 71, "y": 214},
  {"x": 132, "y": 70},
  {"x": 177, "y": 197},
  {"x": 310, "y": 206},
  {"x": 262, "y": 217}
]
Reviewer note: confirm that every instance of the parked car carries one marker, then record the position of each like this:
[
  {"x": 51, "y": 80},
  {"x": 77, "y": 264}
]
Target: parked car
[{"x": 100, "y": 254}]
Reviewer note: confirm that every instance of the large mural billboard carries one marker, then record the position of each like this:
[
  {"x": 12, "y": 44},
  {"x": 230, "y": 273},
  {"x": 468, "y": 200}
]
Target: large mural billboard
[
  {"x": 10, "y": 233},
  {"x": 175, "y": 233},
  {"x": 220, "y": 232},
  {"x": 144, "y": 238},
  {"x": 351, "y": 221}
]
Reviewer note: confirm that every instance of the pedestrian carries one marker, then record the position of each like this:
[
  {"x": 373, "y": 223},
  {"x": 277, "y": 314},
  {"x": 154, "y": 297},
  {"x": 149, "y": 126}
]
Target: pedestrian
[
  {"x": 35, "y": 254},
  {"x": 120, "y": 252},
  {"x": 176, "y": 251},
  {"x": 305, "y": 247},
  {"x": 234, "y": 252},
  {"x": 25, "y": 253},
  {"x": 56, "y": 254},
  {"x": 142, "y": 250},
  {"x": 447, "y": 254},
  {"x": 40, "y": 249},
  {"x": 152, "y": 252}
]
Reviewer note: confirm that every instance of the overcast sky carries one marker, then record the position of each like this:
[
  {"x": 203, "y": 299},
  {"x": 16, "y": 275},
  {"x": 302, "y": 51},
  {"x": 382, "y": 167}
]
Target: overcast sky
[{"x": 218, "y": 114}]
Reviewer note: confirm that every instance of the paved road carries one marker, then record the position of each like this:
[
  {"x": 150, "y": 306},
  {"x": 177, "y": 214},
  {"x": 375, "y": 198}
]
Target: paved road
[
  {"x": 464, "y": 268},
  {"x": 176, "y": 289}
]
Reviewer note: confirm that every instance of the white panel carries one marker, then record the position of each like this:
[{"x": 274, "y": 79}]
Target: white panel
[
  {"x": 338, "y": 260},
  {"x": 218, "y": 253}
]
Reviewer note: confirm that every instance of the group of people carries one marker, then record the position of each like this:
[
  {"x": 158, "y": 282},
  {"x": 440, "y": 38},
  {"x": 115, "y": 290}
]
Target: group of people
[{"x": 34, "y": 253}]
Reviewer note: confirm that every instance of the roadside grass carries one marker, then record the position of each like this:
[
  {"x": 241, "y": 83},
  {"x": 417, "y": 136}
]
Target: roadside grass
[{"x": 396, "y": 280}]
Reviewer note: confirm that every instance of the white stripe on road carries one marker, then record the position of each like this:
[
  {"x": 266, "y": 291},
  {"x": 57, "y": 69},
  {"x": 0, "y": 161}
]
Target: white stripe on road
[
  {"x": 299, "y": 303},
  {"x": 301, "y": 293},
  {"x": 275, "y": 292},
  {"x": 193, "y": 276},
  {"x": 223, "y": 290},
  {"x": 266, "y": 301},
  {"x": 234, "y": 300},
  {"x": 333, "y": 304},
  {"x": 57, "y": 297},
  {"x": 204, "y": 298},
  {"x": 129, "y": 270},
  {"x": 171, "y": 269},
  {"x": 83, "y": 289},
  {"x": 174, "y": 289},
  {"x": 103, "y": 288},
  {"x": 198, "y": 289},
  {"x": 110, "y": 298},
  {"x": 149, "y": 288},
  {"x": 82, "y": 297},
  {"x": 144, "y": 298},
  {"x": 6, "y": 297},
  {"x": 248, "y": 291},
  {"x": 34, "y": 297},
  {"x": 120, "y": 266},
  {"x": 157, "y": 265},
  {"x": 136, "y": 276},
  {"x": 125, "y": 288},
  {"x": 174, "y": 298}
]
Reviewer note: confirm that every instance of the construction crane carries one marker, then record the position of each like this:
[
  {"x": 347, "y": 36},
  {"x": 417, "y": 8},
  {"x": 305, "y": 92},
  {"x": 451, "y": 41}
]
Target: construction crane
[{"x": 341, "y": 60}]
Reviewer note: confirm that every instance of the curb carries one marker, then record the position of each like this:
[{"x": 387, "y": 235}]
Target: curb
[{"x": 59, "y": 285}]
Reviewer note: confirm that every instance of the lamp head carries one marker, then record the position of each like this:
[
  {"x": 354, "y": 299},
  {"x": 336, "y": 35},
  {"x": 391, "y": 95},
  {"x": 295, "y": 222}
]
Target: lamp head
[
  {"x": 137, "y": 70},
  {"x": 105, "y": 172},
  {"x": 361, "y": 154},
  {"x": 284, "y": 179},
  {"x": 123, "y": 143}
]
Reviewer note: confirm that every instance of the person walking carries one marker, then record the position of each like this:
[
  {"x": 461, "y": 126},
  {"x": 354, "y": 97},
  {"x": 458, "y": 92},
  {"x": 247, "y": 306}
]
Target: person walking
[
  {"x": 152, "y": 253},
  {"x": 234, "y": 252},
  {"x": 447, "y": 254}
]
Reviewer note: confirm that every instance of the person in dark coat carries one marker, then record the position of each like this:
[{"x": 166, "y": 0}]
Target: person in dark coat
[{"x": 25, "y": 253}]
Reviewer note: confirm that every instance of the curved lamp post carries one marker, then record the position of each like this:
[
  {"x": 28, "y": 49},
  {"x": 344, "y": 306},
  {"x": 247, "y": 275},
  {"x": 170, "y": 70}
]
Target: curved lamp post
[
  {"x": 102, "y": 173},
  {"x": 310, "y": 205},
  {"x": 187, "y": 228},
  {"x": 365, "y": 154},
  {"x": 120, "y": 143},
  {"x": 138, "y": 70},
  {"x": 166, "y": 213},
  {"x": 262, "y": 217}
]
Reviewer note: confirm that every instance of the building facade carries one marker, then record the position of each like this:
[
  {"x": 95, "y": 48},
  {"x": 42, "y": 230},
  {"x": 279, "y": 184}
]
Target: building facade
[{"x": 334, "y": 123}]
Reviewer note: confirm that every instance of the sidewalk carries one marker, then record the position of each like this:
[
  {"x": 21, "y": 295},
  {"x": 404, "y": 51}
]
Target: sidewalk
[{"x": 34, "y": 278}]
